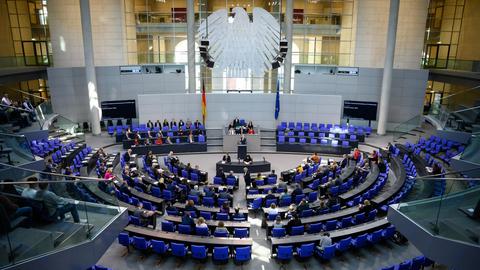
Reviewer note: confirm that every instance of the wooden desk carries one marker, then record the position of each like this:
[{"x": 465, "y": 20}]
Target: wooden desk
[
  {"x": 237, "y": 167},
  {"x": 189, "y": 239},
  {"x": 212, "y": 224},
  {"x": 181, "y": 207},
  {"x": 335, "y": 235},
  {"x": 159, "y": 202}
]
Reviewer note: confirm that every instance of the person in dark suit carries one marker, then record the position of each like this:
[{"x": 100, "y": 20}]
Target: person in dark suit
[
  {"x": 297, "y": 191},
  {"x": 181, "y": 123},
  {"x": 269, "y": 195},
  {"x": 236, "y": 122},
  {"x": 165, "y": 123},
  {"x": 150, "y": 124},
  {"x": 248, "y": 159},
  {"x": 173, "y": 123},
  {"x": 187, "y": 219},
  {"x": 196, "y": 124},
  {"x": 293, "y": 222},
  {"x": 221, "y": 174},
  {"x": 127, "y": 155},
  {"x": 158, "y": 124},
  {"x": 226, "y": 158},
  {"x": 243, "y": 140},
  {"x": 246, "y": 176},
  {"x": 344, "y": 161}
]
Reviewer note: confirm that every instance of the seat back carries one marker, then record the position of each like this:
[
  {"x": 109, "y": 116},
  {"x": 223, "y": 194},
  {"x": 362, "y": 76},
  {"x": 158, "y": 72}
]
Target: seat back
[
  {"x": 220, "y": 253},
  {"x": 168, "y": 226},
  {"x": 306, "y": 250},
  {"x": 243, "y": 254},
  {"x": 198, "y": 252},
  {"x": 297, "y": 230},
  {"x": 278, "y": 232},
  {"x": 202, "y": 231},
  {"x": 140, "y": 243},
  {"x": 184, "y": 229},
  {"x": 240, "y": 232},
  {"x": 178, "y": 250},
  {"x": 284, "y": 252},
  {"x": 159, "y": 247}
]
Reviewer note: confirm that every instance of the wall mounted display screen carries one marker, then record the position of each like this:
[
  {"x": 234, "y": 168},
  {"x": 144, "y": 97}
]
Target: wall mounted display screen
[
  {"x": 360, "y": 110},
  {"x": 119, "y": 109}
]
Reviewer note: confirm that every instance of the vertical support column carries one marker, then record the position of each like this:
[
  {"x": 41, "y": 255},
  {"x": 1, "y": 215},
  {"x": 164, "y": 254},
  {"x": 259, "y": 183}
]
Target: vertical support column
[
  {"x": 287, "y": 68},
  {"x": 388, "y": 67},
  {"x": 90, "y": 76},
  {"x": 191, "y": 45}
]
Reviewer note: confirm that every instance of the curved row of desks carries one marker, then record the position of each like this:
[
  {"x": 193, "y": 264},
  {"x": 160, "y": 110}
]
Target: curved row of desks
[
  {"x": 397, "y": 167},
  {"x": 212, "y": 224},
  {"x": 188, "y": 239},
  {"x": 335, "y": 235},
  {"x": 363, "y": 187}
]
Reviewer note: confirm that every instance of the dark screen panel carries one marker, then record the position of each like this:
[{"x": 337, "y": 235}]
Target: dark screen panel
[
  {"x": 360, "y": 110},
  {"x": 119, "y": 109}
]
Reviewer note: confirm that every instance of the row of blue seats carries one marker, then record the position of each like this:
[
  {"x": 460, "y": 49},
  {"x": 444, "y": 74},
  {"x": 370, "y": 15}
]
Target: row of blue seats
[
  {"x": 45, "y": 147},
  {"x": 298, "y": 126},
  {"x": 335, "y": 143},
  {"x": 132, "y": 200},
  {"x": 59, "y": 152},
  {"x": 200, "y": 252},
  {"x": 209, "y": 215},
  {"x": 143, "y": 128},
  {"x": 330, "y": 225},
  {"x": 301, "y": 134},
  {"x": 168, "y": 226},
  {"x": 416, "y": 263},
  {"x": 286, "y": 253}
]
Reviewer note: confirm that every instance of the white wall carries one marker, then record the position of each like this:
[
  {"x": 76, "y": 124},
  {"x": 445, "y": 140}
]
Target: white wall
[
  {"x": 371, "y": 33},
  {"x": 408, "y": 89},
  {"x": 69, "y": 93},
  {"x": 108, "y": 30},
  {"x": 259, "y": 108}
]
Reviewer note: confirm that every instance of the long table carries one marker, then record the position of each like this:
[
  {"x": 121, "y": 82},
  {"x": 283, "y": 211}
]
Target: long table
[
  {"x": 237, "y": 167},
  {"x": 181, "y": 207},
  {"x": 188, "y": 239},
  {"x": 212, "y": 224},
  {"x": 166, "y": 148},
  {"x": 360, "y": 189},
  {"x": 335, "y": 235},
  {"x": 308, "y": 148},
  {"x": 346, "y": 173}
]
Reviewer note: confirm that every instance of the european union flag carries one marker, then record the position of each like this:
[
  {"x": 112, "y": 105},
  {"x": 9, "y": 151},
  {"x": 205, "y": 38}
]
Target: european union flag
[{"x": 277, "y": 101}]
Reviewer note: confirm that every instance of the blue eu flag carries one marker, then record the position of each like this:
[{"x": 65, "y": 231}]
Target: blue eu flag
[{"x": 277, "y": 101}]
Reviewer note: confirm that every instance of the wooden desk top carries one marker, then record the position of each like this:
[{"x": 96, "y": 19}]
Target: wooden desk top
[
  {"x": 181, "y": 206},
  {"x": 213, "y": 223},
  {"x": 363, "y": 187},
  {"x": 335, "y": 235},
  {"x": 190, "y": 239}
]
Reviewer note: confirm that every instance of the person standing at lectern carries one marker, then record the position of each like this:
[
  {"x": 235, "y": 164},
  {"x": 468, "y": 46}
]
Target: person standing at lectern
[
  {"x": 246, "y": 176},
  {"x": 243, "y": 140}
]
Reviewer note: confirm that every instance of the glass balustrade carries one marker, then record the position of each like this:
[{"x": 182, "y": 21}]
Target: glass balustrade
[
  {"x": 454, "y": 216},
  {"x": 14, "y": 149},
  {"x": 406, "y": 127},
  {"x": 37, "y": 226}
]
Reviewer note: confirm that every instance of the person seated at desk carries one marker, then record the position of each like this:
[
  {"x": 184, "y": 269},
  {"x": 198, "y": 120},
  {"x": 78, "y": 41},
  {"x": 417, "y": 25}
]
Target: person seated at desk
[
  {"x": 56, "y": 206},
  {"x": 382, "y": 168},
  {"x": 109, "y": 174},
  {"x": 201, "y": 223},
  {"x": 237, "y": 216},
  {"x": 173, "y": 123},
  {"x": 150, "y": 134},
  {"x": 220, "y": 229},
  {"x": 250, "y": 131},
  {"x": 225, "y": 208},
  {"x": 272, "y": 210},
  {"x": 221, "y": 174},
  {"x": 248, "y": 159},
  {"x": 366, "y": 206},
  {"x": 373, "y": 157},
  {"x": 188, "y": 124},
  {"x": 225, "y": 195},
  {"x": 284, "y": 195},
  {"x": 273, "y": 174},
  {"x": 356, "y": 177},
  {"x": 181, "y": 123},
  {"x": 269, "y": 195},
  {"x": 250, "y": 125},
  {"x": 299, "y": 169},
  {"x": 302, "y": 206},
  {"x": 294, "y": 221},
  {"x": 190, "y": 206},
  {"x": 332, "y": 200},
  {"x": 315, "y": 158},
  {"x": 322, "y": 207},
  {"x": 149, "y": 158},
  {"x": 127, "y": 156},
  {"x": 168, "y": 140},
  {"x": 278, "y": 222},
  {"x": 231, "y": 175},
  {"x": 158, "y": 124},
  {"x": 226, "y": 158},
  {"x": 190, "y": 137},
  {"x": 196, "y": 192},
  {"x": 161, "y": 183},
  {"x": 187, "y": 219},
  {"x": 325, "y": 241},
  {"x": 296, "y": 191},
  {"x": 146, "y": 217},
  {"x": 165, "y": 123},
  {"x": 209, "y": 192},
  {"x": 236, "y": 122},
  {"x": 196, "y": 124},
  {"x": 259, "y": 176},
  {"x": 282, "y": 184},
  {"x": 150, "y": 124}
]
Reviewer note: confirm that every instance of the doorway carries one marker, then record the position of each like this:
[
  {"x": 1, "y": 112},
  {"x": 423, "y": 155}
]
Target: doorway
[{"x": 35, "y": 53}]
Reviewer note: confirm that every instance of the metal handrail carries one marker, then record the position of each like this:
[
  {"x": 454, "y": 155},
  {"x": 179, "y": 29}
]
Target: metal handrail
[{"x": 23, "y": 92}]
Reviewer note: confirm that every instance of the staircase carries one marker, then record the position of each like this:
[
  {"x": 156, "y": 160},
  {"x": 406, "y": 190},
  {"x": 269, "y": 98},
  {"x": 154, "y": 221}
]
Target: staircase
[
  {"x": 268, "y": 140},
  {"x": 214, "y": 139}
]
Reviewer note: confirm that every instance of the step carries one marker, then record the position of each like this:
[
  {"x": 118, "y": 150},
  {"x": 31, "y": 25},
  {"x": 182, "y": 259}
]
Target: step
[{"x": 268, "y": 138}]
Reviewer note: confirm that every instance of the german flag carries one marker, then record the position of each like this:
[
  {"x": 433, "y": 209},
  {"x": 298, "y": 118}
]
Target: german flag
[{"x": 204, "y": 103}]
